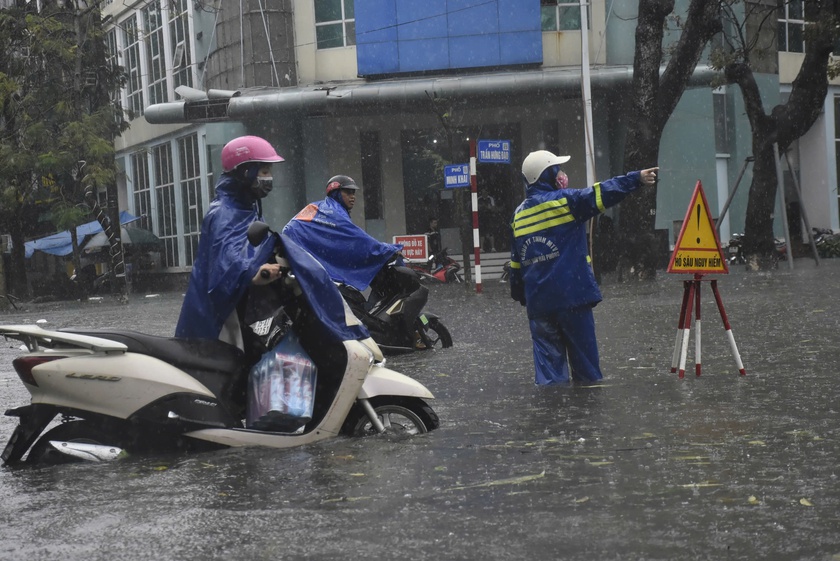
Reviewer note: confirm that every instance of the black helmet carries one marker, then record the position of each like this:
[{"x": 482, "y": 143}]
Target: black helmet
[{"x": 341, "y": 182}]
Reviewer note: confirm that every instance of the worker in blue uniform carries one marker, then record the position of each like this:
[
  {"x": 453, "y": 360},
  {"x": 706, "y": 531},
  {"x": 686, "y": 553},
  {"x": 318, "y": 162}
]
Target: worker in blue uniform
[
  {"x": 226, "y": 265},
  {"x": 550, "y": 268}
]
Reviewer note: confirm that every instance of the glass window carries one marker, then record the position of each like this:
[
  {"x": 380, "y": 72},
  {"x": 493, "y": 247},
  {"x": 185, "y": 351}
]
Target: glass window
[
  {"x": 167, "y": 225},
  {"x": 180, "y": 44},
  {"x": 141, "y": 188},
  {"x": 791, "y": 34},
  {"x": 191, "y": 195},
  {"x": 561, "y": 16},
  {"x": 153, "y": 27},
  {"x": 335, "y": 24},
  {"x": 131, "y": 61}
]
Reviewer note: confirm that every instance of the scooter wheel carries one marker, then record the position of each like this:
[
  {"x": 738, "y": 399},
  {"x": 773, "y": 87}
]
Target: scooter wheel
[
  {"x": 436, "y": 333},
  {"x": 400, "y": 416}
]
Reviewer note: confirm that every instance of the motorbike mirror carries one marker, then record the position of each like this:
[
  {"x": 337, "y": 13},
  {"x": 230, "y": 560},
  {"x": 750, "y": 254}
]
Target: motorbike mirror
[{"x": 257, "y": 232}]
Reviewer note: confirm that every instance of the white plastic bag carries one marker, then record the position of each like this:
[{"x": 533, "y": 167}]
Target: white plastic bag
[{"x": 281, "y": 388}]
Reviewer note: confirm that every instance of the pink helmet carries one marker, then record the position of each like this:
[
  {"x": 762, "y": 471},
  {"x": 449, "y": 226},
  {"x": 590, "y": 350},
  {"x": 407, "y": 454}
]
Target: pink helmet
[{"x": 247, "y": 149}]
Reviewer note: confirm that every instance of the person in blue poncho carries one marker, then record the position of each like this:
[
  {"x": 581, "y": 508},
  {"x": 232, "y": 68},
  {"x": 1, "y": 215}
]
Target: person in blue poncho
[
  {"x": 550, "y": 270},
  {"x": 226, "y": 264},
  {"x": 324, "y": 228}
]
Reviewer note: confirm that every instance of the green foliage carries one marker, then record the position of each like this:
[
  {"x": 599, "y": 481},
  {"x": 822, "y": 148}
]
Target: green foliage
[{"x": 55, "y": 111}]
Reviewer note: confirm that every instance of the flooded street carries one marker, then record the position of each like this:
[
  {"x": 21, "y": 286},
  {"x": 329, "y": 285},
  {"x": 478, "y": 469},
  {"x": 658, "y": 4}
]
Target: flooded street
[{"x": 644, "y": 466}]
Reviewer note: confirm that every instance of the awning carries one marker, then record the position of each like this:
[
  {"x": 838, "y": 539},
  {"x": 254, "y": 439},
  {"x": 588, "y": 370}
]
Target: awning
[{"x": 60, "y": 244}]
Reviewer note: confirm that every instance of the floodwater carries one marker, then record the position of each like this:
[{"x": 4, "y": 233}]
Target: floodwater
[{"x": 644, "y": 466}]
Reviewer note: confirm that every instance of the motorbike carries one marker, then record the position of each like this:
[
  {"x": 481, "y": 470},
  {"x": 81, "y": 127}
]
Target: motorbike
[
  {"x": 392, "y": 310},
  {"x": 735, "y": 250},
  {"x": 438, "y": 268},
  {"x": 121, "y": 392}
]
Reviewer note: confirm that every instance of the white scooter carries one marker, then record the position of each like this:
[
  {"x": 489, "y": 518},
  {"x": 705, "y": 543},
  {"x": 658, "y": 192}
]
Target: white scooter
[{"x": 122, "y": 393}]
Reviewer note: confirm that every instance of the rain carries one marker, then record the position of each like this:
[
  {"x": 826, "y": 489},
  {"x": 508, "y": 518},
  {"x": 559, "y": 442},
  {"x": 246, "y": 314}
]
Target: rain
[{"x": 643, "y": 465}]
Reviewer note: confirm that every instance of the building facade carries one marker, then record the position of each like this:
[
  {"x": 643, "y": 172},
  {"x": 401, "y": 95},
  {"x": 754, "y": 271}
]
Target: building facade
[{"x": 387, "y": 91}]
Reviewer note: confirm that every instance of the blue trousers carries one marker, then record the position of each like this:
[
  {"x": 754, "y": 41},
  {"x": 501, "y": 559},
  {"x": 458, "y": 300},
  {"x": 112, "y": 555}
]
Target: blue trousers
[{"x": 565, "y": 339}]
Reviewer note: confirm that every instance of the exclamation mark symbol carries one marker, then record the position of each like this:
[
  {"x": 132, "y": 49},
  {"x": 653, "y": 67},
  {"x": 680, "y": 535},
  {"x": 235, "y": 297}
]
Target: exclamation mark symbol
[{"x": 698, "y": 223}]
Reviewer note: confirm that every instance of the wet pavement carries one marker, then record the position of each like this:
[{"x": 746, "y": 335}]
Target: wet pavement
[{"x": 644, "y": 466}]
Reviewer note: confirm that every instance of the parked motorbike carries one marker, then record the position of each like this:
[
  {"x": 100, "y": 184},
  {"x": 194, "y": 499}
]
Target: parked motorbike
[
  {"x": 124, "y": 393},
  {"x": 438, "y": 268},
  {"x": 735, "y": 250},
  {"x": 393, "y": 312}
]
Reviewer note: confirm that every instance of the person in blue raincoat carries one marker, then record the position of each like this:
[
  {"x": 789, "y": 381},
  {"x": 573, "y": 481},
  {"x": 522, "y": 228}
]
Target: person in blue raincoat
[
  {"x": 324, "y": 228},
  {"x": 550, "y": 268},
  {"x": 226, "y": 264}
]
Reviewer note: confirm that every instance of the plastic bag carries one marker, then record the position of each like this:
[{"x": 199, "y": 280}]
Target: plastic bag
[{"x": 281, "y": 388}]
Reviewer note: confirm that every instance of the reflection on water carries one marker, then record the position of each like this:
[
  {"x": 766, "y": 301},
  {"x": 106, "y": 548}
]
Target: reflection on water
[{"x": 643, "y": 466}]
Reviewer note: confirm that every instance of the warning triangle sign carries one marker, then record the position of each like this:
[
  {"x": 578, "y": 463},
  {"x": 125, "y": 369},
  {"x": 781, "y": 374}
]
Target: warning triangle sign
[{"x": 698, "y": 249}]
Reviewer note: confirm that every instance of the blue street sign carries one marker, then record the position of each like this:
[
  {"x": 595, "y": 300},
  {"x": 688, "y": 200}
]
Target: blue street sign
[
  {"x": 494, "y": 151},
  {"x": 456, "y": 176}
]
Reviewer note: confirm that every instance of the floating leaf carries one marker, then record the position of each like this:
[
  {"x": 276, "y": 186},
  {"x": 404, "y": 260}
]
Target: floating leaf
[
  {"x": 701, "y": 484},
  {"x": 757, "y": 443},
  {"x": 509, "y": 481},
  {"x": 753, "y": 500},
  {"x": 805, "y": 502},
  {"x": 347, "y": 457},
  {"x": 581, "y": 500},
  {"x": 357, "y": 475},
  {"x": 596, "y": 464}
]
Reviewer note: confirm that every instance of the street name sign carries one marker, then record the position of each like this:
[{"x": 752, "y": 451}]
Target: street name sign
[
  {"x": 494, "y": 151},
  {"x": 457, "y": 175}
]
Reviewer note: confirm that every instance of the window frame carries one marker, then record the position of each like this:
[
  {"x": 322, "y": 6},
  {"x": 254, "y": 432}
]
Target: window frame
[{"x": 348, "y": 36}]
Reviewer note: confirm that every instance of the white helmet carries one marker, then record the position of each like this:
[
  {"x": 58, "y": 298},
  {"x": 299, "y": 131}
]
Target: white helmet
[{"x": 537, "y": 162}]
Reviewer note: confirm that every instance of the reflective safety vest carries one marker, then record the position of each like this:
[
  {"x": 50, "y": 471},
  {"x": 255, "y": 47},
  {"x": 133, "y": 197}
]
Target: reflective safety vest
[{"x": 550, "y": 266}]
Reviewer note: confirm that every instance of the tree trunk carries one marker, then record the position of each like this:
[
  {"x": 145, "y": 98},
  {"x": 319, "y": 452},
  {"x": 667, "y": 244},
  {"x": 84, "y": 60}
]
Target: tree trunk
[{"x": 652, "y": 101}]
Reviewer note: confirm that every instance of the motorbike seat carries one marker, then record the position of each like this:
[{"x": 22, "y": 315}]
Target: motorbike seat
[{"x": 187, "y": 354}]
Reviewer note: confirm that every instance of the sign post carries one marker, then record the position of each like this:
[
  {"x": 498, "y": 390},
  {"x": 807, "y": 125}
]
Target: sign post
[{"x": 698, "y": 252}]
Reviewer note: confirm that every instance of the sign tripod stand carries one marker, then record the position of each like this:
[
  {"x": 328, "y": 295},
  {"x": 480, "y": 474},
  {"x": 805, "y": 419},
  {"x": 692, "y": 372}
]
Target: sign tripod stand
[
  {"x": 691, "y": 295},
  {"x": 698, "y": 252}
]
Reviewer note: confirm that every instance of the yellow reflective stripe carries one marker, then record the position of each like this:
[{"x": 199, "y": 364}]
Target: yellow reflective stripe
[
  {"x": 515, "y": 265},
  {"x": 519, "y": 232},
  {"x": 541, "y": 217},
  {"x": 598, "y": 200},
  {"x": 540, "y": 207}
]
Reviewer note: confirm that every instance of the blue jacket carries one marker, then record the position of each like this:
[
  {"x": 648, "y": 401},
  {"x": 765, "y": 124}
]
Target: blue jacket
[
  {"x": 348, "y": 253},
  {"x": 550, "y": 267},
  {"x": 225, "y": 264}
]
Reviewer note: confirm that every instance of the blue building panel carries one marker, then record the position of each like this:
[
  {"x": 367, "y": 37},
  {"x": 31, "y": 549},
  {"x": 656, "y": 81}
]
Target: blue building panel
[
  {"x": 520, "y": 48},
  {"x": 398, "y": 36},
  {"x": 467, "y": 18},
  {"x": 519, "y": 15},
  {"x": 473, "y": 52},
  {"x": 420, "y": 55},
  {"x": 419, "y": 20}
]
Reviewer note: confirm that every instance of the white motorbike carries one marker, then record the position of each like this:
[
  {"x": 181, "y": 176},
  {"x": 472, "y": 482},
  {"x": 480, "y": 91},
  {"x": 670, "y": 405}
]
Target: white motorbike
[{"x": 121, "y": 393}]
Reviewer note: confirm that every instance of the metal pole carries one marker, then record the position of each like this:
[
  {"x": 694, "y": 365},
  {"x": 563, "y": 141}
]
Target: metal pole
[
  {"x": 474, "y": 197},
  {"x": 781, "y": 188},
  {"x": 725, "y": 208},
  {"x": 804, "y": 214}
]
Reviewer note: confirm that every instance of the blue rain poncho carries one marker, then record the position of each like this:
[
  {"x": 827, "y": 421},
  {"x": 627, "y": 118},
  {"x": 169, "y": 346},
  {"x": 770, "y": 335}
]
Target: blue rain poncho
[
  {"x": 348, "y": 253},
  {"x": 226, "y": 263}
]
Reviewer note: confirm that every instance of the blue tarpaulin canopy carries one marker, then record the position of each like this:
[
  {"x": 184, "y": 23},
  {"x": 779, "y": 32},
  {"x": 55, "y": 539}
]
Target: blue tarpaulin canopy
[{"x": 60, "y": 243}]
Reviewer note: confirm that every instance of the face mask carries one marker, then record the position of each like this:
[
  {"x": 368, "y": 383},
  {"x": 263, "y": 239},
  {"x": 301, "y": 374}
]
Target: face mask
[
  {"x": 562, "y": 180},
  {"x": 262, "y": 186}
]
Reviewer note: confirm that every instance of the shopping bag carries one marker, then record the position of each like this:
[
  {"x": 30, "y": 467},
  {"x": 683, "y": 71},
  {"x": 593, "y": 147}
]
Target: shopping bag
[{"x": 281, "y": 388}]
